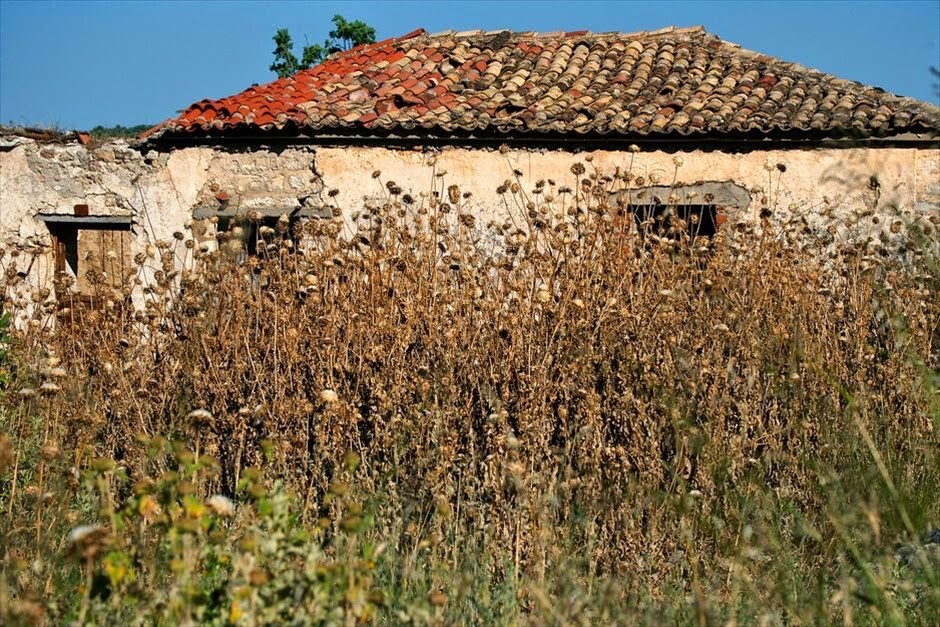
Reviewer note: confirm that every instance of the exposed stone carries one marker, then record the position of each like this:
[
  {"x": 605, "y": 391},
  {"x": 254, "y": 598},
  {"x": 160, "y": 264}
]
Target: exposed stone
[{"x": 105, "y": 154}]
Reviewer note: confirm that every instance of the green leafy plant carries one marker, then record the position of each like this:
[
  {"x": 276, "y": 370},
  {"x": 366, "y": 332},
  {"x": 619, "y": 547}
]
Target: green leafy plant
[
  {"x": 345, "y": 35},
  {"x": 5, "y": 321},
  {"x": 119, "y": 131}
]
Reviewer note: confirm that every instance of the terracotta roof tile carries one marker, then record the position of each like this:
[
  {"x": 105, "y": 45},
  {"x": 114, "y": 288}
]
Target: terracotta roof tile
[{"x": 668, "y": 82}]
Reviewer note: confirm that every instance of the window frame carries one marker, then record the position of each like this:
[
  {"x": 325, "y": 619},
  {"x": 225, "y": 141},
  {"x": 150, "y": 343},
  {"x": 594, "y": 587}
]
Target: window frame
[{"x": 64, "y": 230}]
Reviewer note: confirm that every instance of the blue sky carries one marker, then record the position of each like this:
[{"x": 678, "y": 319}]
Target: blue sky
[{"x": 77, "y": 64}]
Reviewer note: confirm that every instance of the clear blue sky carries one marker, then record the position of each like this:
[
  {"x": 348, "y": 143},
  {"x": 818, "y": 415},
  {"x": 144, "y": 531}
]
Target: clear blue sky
[{"x": 77, "y": 64}]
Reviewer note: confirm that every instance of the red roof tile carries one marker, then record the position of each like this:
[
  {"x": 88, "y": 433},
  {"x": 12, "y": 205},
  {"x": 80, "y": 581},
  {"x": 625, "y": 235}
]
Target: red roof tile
[{"x": 671, "y": 82}]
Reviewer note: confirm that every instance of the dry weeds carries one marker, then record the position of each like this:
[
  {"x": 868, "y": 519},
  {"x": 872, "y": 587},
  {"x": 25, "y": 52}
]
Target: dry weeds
[{"x": 567, "y": 417}]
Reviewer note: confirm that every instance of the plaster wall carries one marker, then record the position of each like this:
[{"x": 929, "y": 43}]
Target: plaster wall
[
  {"x": 828, "y": 180},
  {"x": 160, "y": 191}
]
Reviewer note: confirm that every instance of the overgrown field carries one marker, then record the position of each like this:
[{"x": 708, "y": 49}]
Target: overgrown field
[{"x": 572, "y": 419}]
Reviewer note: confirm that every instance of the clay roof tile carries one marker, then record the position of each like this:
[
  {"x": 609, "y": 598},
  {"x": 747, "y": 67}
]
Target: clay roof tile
[{"x": 672, "y": 81}]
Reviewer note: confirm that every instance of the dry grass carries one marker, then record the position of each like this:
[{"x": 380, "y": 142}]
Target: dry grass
[{"x": 548, "y": 421}]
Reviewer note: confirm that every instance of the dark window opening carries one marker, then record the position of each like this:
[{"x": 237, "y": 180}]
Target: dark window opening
[
  {"x": 257, "y": 234},
  {"x": 675, "y": 221},
  {"x": 65, "y": 248}
]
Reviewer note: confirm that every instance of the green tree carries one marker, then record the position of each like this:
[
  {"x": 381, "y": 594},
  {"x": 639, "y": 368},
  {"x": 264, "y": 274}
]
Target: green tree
[
  {"x": 344, "y": 36},
  {"x": 285, "y": 63}
]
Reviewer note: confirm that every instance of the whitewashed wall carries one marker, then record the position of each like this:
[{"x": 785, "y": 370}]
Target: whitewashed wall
[{"x": 160, "y": 191}]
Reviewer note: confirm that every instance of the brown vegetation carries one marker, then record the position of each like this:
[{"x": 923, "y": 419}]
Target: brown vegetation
[{"x": 555, "y": 420}]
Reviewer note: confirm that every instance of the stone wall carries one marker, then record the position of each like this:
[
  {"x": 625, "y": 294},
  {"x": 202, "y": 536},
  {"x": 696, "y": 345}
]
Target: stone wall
[
  {"x": 157, "y": 192},
  {"x": 160, "y": 192}
]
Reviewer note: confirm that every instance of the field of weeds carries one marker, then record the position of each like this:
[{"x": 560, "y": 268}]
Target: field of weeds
[{"x": 575, "y": 418}]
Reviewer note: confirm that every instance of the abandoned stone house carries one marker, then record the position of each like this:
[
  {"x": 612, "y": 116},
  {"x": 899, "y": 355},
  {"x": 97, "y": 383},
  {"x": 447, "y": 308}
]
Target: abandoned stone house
[{"x": 690, "y": 114}]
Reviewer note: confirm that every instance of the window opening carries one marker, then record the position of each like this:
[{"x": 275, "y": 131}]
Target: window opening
[
  {"x": 252, "y": 236},
  {"x": 96, "y": 252},
  {"x": 65, "y": 248},
  {"x": 675, "y": 221},
  {"x": 680, "y": 210}
]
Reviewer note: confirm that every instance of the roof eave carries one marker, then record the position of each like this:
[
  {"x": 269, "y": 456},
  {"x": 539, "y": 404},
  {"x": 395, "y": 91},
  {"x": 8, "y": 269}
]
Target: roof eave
[{"x": 245, "y": 138}]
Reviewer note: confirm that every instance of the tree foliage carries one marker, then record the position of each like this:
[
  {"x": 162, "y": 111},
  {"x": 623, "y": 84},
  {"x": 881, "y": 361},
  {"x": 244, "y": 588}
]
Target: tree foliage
[
  {"x": 105, "y": 132},
  {"x": 285, "y": 63},
  {"x": 345, "y": 35}
]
